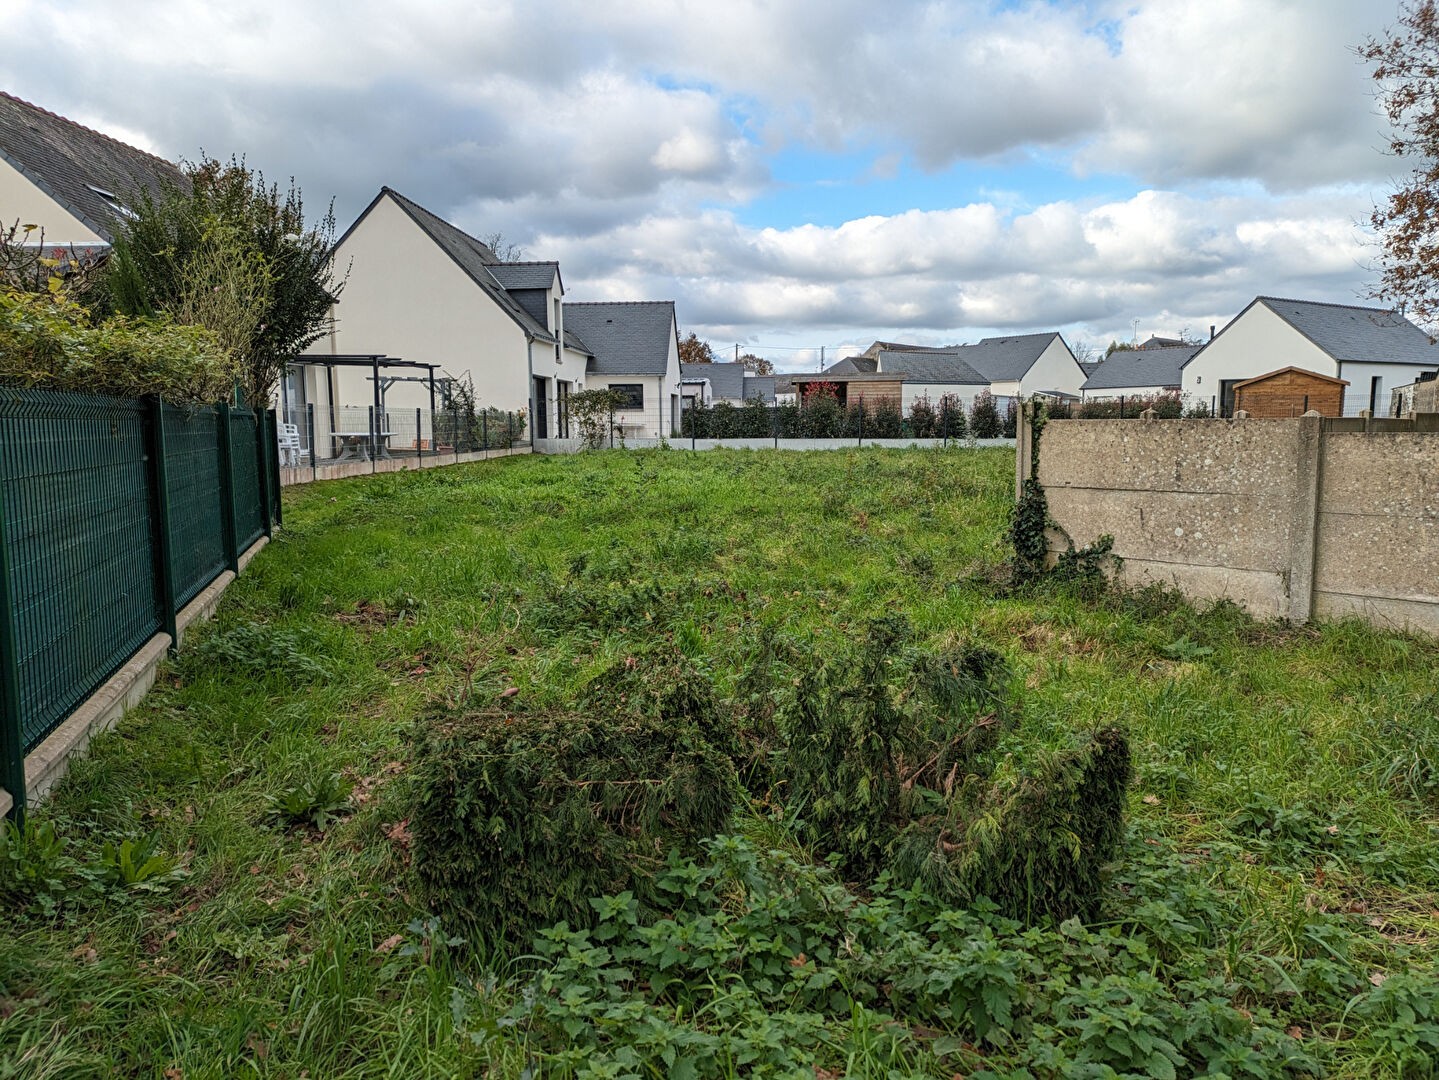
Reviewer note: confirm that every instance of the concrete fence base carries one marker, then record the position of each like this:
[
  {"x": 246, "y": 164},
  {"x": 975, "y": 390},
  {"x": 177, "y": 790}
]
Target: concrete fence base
[
  {"x": 574, "y": 446},
  {"x": 1293, "y": 519},
  {"x": 335, "y": 470},
  {"x": 47, "y": 764}
]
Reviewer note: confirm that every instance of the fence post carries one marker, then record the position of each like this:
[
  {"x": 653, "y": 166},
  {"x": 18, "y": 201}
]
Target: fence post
[
  {"x": 12, "y": 738},
  {"x": 374, "y": 441},
  {"x": 861, "y": 423},
  {"x": 612, "y": 429},
  {"x": 944, "y": 412},
  {"x": 419, "y": 439},
  {"x": 1304, "y": 523},
  {"x": 163, "y": 563},
  {"x": 227, "y": 488},
  {"x": 262, "y": 470},
  {"x": 1023, "y": 448},
  {"x": 509, "y": 431},
  {"x": 314, "y": 443},
  {"x": 774, "y": 422},
  {"x": 272, "y": 459}
]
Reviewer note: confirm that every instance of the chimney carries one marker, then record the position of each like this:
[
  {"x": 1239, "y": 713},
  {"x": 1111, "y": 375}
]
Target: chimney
[{"x": 1211, "y": 331}]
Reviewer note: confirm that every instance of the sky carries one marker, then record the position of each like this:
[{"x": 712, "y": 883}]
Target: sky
[{"x": 794, "y": 174}]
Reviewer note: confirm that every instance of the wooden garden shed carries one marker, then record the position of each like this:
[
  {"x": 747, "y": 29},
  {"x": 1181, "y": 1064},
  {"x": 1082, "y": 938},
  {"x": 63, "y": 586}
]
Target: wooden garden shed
[{"x": 1290, "y": 391}]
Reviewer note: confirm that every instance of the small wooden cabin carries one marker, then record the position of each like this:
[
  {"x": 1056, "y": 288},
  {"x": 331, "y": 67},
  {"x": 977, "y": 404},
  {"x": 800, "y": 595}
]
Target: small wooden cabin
[{"x": 1289, "y": 392}]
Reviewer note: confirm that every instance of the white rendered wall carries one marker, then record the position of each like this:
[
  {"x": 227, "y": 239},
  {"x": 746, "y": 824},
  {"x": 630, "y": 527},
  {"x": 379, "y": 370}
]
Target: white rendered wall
[
  {"x": 22, "y": 201},
  {"x": 406, "y": 298},
  {"x": 1255, "y": 343},
  {"x": 912, "y": 392},
  {"x": 1056, "y": 369}
]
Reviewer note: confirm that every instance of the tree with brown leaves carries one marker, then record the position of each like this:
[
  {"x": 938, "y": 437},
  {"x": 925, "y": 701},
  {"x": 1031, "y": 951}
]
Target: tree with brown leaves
[
  {"x": 1405, "y": 63},
  {"x": 695, "y": 351}
]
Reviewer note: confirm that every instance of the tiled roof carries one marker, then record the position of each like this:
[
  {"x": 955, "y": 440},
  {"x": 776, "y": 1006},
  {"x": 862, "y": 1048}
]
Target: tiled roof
[
  {"x": 1148, "y": 368},
  {"x": 76, "y": 166},
  {"x": 631, "y": 337}
]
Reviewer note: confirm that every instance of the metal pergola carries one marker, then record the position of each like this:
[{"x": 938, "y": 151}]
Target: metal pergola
[{"x": 373, "y": 361}]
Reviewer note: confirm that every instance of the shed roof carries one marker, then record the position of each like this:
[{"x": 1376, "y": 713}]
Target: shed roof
[
  {"x": 1287, "y": 370},
  {"x": 91, "y": 175},
  {"x": 930, "y": 367},
  {"x": 726, "y": 380}
]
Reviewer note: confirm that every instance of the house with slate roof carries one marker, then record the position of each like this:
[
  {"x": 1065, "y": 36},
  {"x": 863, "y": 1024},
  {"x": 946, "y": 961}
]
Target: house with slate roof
[
  {"x": 1372, "y": 349},
  {"x": 1138, "y": 373},
  {"x": 1007, "y": 367},
  {"x": 423, "y": 290},
  {"x": 710, "y": 384},
  {"x": 634, "y": 350},
  {"x": 75, "y": 184}
]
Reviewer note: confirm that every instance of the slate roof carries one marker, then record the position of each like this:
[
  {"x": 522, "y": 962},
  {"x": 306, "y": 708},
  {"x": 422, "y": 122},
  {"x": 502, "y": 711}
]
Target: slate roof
[
  {"x": 761, "y": 387},
  {"x": 1151, "y": 367},
  {"x": 630, "y": 337},
  {"x": 726, "y": 380},
  {"x": 1349, "y": 332},
  {"x": 1005, "y": 359},
  {"x": 930, "y": 367},
  {"x": 1090, "y": 367},
  {"x": 68, "y": 161},
  {"x": 469, "y": 254},
  {"x": 851, "y": 365},
  {"x": 526, "y": 275}
]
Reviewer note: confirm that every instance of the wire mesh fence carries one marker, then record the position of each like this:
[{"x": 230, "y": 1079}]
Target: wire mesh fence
[
  {"x": 319, "y": 440},
  {"x": 113, "y": 515}
]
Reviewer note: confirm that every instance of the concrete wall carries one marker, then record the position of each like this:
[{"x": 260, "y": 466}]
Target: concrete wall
[
  {"x": 1283, "y": 516},
  {"x": 575, "y": 446}
]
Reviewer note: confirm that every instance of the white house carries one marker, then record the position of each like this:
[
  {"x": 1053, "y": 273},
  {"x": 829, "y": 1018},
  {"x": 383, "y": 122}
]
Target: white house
[
  {"x": 1145, "y": 372},
  {"x": 1373, "y": 349},
  {"x": 1006, "y": 367},
  {"x": 710, "y": 384},
  {"x": 635, "y": 350},
  {"x": 73, "y": 183},
  {"x": 422, "y": 290}
]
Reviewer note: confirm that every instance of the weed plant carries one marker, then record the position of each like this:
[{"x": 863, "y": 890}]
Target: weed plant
[{"x": 1270, "y": 909}]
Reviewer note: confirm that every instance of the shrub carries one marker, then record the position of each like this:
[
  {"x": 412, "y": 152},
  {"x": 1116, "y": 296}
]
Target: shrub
[
  {"x": 820, "y": 416},
  {"x": 984, "y": 417},
  {"x": 1034, "y": 842},
  {"x": 950, "y": 420},
  {"x": 923, "y": 419},
  {"x": 48, "y": 342},
  {"x": 522, "y": 818}
]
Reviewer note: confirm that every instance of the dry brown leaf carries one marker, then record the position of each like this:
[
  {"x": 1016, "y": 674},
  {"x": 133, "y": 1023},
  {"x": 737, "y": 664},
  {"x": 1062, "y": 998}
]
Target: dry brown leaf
[
  {"x": 1377, "y": 978},
  {"x": 1151, "y": 800},
  {"x": 389, "y": 943}
]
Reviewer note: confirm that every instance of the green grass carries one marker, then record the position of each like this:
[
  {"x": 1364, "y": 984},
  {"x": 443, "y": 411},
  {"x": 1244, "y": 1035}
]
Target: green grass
[{"x": 1284, "y": 817}]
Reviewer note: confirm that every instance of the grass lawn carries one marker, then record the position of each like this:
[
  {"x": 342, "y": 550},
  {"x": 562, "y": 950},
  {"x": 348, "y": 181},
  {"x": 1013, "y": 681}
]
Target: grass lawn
[{"x": 1282, "y": 865}]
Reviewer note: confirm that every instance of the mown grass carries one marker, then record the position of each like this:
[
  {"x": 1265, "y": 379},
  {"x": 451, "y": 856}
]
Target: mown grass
[{"x": 1290, "y": 776}]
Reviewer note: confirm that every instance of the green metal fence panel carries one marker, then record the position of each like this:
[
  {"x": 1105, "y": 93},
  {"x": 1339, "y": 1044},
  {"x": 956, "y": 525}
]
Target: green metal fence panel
[
  {"x": 197, "y": 540},
  {"x": 77, "y": 510},
  {"x": 244, "y": 461}
]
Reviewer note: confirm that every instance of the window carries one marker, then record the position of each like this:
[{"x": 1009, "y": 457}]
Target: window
[{"x": 632, "y": 395}]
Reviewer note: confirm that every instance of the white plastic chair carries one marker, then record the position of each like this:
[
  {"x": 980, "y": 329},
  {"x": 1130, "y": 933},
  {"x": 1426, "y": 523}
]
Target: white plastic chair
[{"x": 289, "y": 444}]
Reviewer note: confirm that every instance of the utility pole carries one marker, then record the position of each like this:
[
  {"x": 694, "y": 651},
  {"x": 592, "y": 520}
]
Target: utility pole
[
  {"x": 821, "y": 358},
  {"x": 736, "y": 352},
  {"x": 1136, "y": 331}
]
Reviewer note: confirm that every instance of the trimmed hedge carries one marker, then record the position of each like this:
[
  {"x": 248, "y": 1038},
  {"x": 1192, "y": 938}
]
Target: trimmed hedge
[{"x": 522, "y": 818}]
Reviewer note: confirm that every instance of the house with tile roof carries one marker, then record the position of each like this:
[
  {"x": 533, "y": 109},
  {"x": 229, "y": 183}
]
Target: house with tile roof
[
  {"x": 1138, "y": 373},
  {"x": 635, "y": 351},
  {"x": 73, "y": 183},
  {"x": 1372, "y": 349}
]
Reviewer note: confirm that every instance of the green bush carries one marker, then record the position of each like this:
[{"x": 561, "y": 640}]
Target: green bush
[
  {"x": 1033, "y": 841},
  {"x": 984, "y": 422},
  {"x": 48, "y": 342},
  {"x": 522, "y": 818}
]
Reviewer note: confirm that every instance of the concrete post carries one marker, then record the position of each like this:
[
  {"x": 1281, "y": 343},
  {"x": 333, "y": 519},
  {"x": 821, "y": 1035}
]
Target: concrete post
[
  {"x": 1023, "y": 448},
  {"x": 1149, "y": 416},
  {"x": 1304, "y": 524}
]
